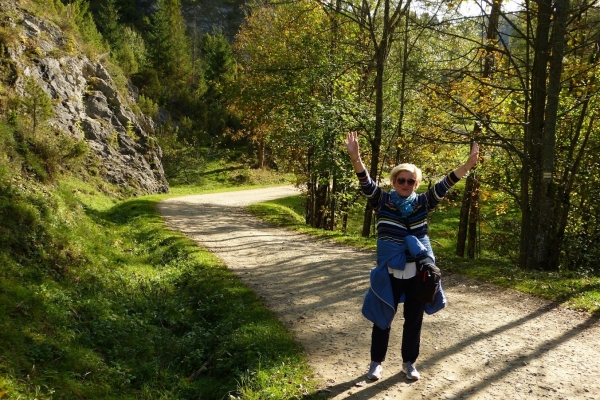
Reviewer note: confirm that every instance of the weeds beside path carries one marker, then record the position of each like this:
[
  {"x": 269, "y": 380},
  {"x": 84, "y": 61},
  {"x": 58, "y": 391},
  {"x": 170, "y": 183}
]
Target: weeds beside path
[{"x": 488, "y": 342}]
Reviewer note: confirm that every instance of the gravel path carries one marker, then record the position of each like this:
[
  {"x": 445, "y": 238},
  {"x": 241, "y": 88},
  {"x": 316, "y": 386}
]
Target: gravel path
[{"x": 487, "y": 344}]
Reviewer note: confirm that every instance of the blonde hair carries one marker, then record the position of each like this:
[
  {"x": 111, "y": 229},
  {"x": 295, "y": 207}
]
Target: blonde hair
[{"x": 406, "y": 167}]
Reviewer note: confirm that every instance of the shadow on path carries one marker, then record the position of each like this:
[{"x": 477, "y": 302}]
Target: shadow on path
[{"x": 488, "y": 342}]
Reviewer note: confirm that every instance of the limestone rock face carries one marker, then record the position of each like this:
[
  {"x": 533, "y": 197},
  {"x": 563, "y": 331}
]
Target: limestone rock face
[
  {"x": 210, "y": 15},
  {"x": 87, "y": 103},
  {"x": 206, "y": 16}
]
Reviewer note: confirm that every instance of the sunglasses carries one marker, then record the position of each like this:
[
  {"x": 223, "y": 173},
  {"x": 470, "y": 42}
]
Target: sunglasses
[{"x": 402, "y": 181}]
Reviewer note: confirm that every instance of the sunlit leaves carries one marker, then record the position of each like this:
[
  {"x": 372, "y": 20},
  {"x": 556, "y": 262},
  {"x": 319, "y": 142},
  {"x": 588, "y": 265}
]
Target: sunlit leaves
[{"x": 308, "y": 78}]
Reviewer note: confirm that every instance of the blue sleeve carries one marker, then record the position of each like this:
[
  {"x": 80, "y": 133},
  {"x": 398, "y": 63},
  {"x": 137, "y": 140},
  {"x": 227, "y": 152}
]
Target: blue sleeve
[
  {"x": 435, "y": 195},
  {"x": 370, "y": 189}
]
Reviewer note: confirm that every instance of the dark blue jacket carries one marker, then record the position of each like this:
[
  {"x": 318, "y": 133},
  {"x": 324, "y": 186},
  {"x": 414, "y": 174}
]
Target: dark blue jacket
[{"x": 378, "y": 305}]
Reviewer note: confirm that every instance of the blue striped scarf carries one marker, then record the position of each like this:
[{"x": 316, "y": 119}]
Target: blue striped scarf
[{"x": 403, "y": 204}]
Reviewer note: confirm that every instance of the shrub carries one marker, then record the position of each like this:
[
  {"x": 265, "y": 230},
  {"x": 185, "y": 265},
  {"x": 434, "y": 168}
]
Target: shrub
[{"x": 148, "y": 106}]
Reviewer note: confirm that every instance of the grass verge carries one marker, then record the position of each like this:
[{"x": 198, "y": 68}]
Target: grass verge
[{"x": 106, "y": 302}]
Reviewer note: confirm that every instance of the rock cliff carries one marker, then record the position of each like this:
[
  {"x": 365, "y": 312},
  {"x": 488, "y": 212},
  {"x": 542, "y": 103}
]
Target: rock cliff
[
  {"x": 206, "y": 16},
  {"x": 88, "y": 106}
]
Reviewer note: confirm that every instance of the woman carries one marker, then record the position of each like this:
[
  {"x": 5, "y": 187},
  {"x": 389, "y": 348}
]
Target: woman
[{"x": 402, "y": 242}]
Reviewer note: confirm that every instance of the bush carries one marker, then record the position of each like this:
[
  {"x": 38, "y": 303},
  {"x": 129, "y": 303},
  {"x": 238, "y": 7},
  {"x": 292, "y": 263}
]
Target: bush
[{"x": 148, "y": 107}]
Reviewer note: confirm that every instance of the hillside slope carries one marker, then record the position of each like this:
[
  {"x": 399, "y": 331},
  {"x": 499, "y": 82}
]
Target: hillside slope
[{"x": 88, "y": 103}]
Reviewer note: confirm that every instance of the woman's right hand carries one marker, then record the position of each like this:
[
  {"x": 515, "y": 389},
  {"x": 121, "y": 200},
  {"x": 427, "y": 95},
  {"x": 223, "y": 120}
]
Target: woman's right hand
[{"x": 351, "y": 143}]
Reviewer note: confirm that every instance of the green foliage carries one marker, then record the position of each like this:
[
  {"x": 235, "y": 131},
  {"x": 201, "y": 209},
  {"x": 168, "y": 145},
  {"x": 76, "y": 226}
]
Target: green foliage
[
  {"x": 29, "y": 145},
  {"x": 219, "y": 71},
  {"x": 107, "y": 17},
  {"x": 128, "y": 48},
  {"x": 307, "y": 77},
  {"x": 296, "y": 95},
  {"x": 98, "y": 299},
  {"x": 42, "y": 156},
  {"x": 218, "y": 59},
  {"x": 130, "y": 131},
  {"x": 9, "y": 157},
  {"x": 178, "y": 156},
  {"x": 148, "y": 106},
  {"x": 77, "y": 17},
  {"x": 45, "y": 7},
  {"x": 8, "y": 37},
  {"x": 169, "y": 49},
  {"x": 189, "y": 166},
  {"x": 130, "y": 52},
  {"x": 189, "y": 79}
]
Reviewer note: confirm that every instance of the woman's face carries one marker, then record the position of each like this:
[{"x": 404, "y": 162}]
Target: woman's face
[{"x": 405, "y": 183}]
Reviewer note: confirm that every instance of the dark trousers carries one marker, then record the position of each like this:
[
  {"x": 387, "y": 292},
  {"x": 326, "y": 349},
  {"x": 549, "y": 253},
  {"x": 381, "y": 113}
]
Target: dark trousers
[{"x": 413, "y": 320}]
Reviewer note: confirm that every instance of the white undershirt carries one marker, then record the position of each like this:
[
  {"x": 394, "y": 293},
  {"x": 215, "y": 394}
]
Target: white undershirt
[{"x": 409, "y": 271}]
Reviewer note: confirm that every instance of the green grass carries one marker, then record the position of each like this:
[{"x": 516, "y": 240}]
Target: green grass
[
  {"x": 225, "y": 171},
  {"x": 288, "y": 212},
  {"x": 98, "y": 299},
  {"x": 495, "y": 261}
]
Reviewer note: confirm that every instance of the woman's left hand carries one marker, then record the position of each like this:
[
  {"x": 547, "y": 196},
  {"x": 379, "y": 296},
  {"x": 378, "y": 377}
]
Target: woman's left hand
[{"x": 472, "y": 161}]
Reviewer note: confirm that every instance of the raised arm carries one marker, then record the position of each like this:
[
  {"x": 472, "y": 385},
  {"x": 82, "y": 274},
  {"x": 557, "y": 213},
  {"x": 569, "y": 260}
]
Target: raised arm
[
  {"x": 470, "y": 163},
  {"x": 368, "y": 187},
  {"x": 351, "y": 143}
]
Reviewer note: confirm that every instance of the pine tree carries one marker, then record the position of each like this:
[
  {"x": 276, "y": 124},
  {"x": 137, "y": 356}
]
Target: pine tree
[
  {"x": 36, "y": 104},
  {"x": 169, "y": 49},
  {"x": 219, "y": 72}
]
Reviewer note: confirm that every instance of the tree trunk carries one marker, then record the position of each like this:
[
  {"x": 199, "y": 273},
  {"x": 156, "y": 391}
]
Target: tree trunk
[
  {"x": 381, "y": 57},
  {"x": 563, "y": 205},
  {"x": 399, "y": 132},
  {"x": 544, "y": 223},
  {"x": 390, "y": 22},
  {"x": 367, "y": 219},
  {"x": 525, "y": 173},
  {"x": 536, "y": 124},
  {"x": 332, "y": 205},
  {"x": 261, "y": 152},
  {"x": 310, "y": 202},
  {"x": 310, "y": 189},
  {"x": 464, "y": 218},
  {"x": 473, "y": 216},
  {"x": 568, "y": 180},
  {"x": 470, "y": 204},
  {"x": 333, "y": 192},
  {"x": 546, "y": 234},
  {"x": 525, "y": 210},
  {"x": 320, "y": 214}
]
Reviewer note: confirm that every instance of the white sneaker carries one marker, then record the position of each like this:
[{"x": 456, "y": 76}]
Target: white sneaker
[
  {"x": 375, "y": 370},
  {"x": 411, "y": 371}
]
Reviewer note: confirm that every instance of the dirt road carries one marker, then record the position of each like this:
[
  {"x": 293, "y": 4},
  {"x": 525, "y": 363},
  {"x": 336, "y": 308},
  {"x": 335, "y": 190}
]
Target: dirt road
[{"x": 487, "y": 344}]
